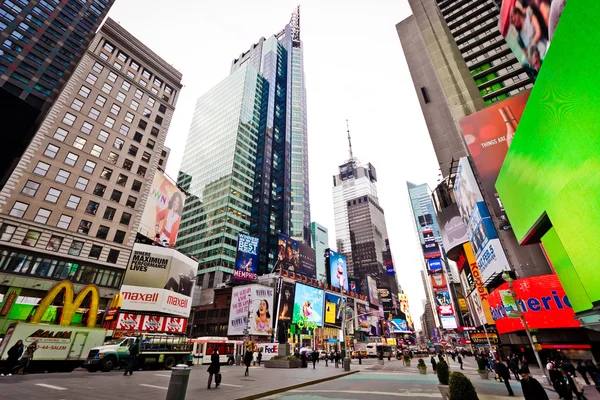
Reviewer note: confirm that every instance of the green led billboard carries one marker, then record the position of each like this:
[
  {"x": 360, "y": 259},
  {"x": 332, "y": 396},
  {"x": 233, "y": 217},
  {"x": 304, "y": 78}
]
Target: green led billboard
[{"x": 550, "y": 181}]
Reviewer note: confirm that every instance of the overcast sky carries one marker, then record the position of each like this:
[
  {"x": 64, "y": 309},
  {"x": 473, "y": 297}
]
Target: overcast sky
[{"x": 355, "y": 69}]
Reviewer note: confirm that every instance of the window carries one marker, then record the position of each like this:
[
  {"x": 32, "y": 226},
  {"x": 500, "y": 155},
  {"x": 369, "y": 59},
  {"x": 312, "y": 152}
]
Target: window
[
  {"x": 64, "y": 221},
  {"x": 95, "y": 252},
  {"x": 54, "y": 243},
  {"x": 113, "y": 256},
  {"x": 129, "y": 117},
  {"x": 147, "y": 113},
  {"x": 146, "y": 74},
  {"x": 108, "y": 47},
  {"x": 117, "y": 66},
  {"x": 119, "y": 237},
  {"x": 51, "y": 151},
  {"x": 41, "y": 168},
  {"x": 116, "y": 195},
  {"x": 134, "y": 66},
  {"x": 124, "y": 130},
  {"x": 162, "y": 109},
  {"x": 82, "y": 183},
  {"x": 89, "y": 167},
  {"x": 104, "y": 56},
  {"x": 125, "y": 218},
  {"x": 42, "y": 215},
  {"x": 130, "y": 75},
  {"x": 127, "y": 164},
  {"x": 158, "y": 119},
  {"x": 141, "y": 171},
  {"x": 94, "y": 113},
  {"x": 150, "y": 101},
  {"x": 77, "y": 105},
  {"x": 73, "y": 202},
  {"x": 103, "y": 136},
  {"x": 143, "y": 83},
  {"x": 139, "y": 94},
  {"x": 96, "y": 150},
  {"x": 118, "y": 144},
  {"x": 98, "y": 67},
  {"x": 69, "y": 119},
  {"x": 146, "y": 157},
  {"x": 53, "y": 195},
  {"x": 60, "y": 134},
  {"x": 92, "y": 207},
  {"x": 7, "y": 232},
  {"x": 134, "y": 105},
  {"x": 112, "y": 158},
  {"x": 112, "y": 77},
  {"x": 109, "y": 122},
  {"x": 138, "y": 137},
  {"x": 168, "y": 90},
  {"x": 136, "y": 186},
  {"x": 87, "y": 128},
  {"x": 30, "y": 188},
  {"x": 157, "y": 82},
  {"x": 132, "y": 150},
  {"x": 18, "y": 209},
  {"x": 109, "y": 213},
  {"x": 62, "y": 176},
  {"x": 84, "y": 91},
  {"x": 115, "y": 109},
  {"x": 31, "y": 238},
  {"x": 84, "y": 227},
  {"x": 150, "y": 144},
  {"x": 126, "y": 86},
  {"x": 99, "y": 189},
  {"x": 102, "y": 232},
  {"x": 122, "y": 57},
  {"x": 142, "y": 124},
  {"x": 91, "y": 79},
  {"x": 71, "y": 159},
  {"x": 121, "y": 97},
  {"x": 131, "y": 201},
  {"x": 79, "y": 142},
  {"x": 100, "y": 100},
  {"x": 75, "y": 248},
  {"x": 106, "y": 173},
  {"x": 106, "y": 88}
]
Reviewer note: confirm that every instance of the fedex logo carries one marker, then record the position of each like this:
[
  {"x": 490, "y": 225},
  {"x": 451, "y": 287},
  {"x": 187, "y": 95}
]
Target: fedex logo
[
  {"x": 271, "y": 349},
  {"x": 137, "y": 296},
  {"x": 174, "y": 301}
]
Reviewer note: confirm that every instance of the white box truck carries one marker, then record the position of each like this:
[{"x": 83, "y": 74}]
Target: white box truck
[{"x": 59, "y": 348}]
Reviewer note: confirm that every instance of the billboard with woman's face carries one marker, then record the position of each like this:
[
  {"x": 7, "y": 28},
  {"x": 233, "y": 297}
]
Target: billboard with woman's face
[{"x": 162, "y": 214}]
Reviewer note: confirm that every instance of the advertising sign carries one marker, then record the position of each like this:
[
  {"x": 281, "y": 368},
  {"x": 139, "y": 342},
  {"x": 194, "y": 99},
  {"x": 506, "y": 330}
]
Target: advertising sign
[
  {"x": 452, "y": 227},
  {"x": 434, "y": 264},
  {"x": 448, "y": 322},
  {"x": 362, "y": 317},
  {"x": 9, "y": 299},
  {"x": 488, "y": 134},
  {"x": 333, "y": 310},
  {"x": 482, "y": 234},
  {"x": 478, "y": 337},
  {"x": 137, "y": 298},
  {"x": 438, "y": 281},
  {"x": 480, "y": 288},
  {"x": 149, "y": 323},
  {"x": 430, "y": 247},
  {"x": 308, "y": 306},
  {"x": 373, "y": 292},
  {"x": 246, "y": 261},
  {"x": 288, "y": 256},
  {"x": 308, "y": 261},
  {"x": 354, "y": 285},
  {"x": 462, "y": 303},
  {"x": 542, "y": 300},
  {"x": 338, "y": 270},
  {"x": 350, "y": 314},
  {"x": 129, "y": 322},
  {"x": 399, "y": 325},
  {"x": 389, "y": 269},
  {"x": 251, "y": 307},
  {"x": 162, "y": 213},
  {"x": 286, "y": 305}
]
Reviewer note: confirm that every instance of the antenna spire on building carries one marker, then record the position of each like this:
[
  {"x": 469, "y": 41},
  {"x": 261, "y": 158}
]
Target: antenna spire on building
[{"x": 349, "y": 140}]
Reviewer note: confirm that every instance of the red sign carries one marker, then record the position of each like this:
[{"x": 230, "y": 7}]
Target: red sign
[
  {"x": 543, "y": 300},
  {"x": 443, "y": 342},
  {"x": 150, "y": 323},
  {"x": 129, "y": 321},
  {"x": 445, "y": 309}
]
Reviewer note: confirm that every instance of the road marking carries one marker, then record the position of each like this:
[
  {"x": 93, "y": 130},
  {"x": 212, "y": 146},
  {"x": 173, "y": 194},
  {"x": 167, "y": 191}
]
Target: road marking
[
  {"x": 153, "y": 386},
  {"x": 229, "y": 384},
  {"x": 166, "y": 375},
  {"x": 51, "y": 386},
  {"x": 407, "y": 394}
]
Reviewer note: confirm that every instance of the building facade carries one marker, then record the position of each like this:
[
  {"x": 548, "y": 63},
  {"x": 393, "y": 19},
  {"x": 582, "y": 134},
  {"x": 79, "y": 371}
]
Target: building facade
[
  {"x": 320, "y": 242},
  {"x": 72, "y": 206},
  {"x": 42, "y": 42}
]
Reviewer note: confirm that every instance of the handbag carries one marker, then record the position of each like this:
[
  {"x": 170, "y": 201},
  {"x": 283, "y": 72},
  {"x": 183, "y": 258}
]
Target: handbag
[{"x": 218, "y": 379}]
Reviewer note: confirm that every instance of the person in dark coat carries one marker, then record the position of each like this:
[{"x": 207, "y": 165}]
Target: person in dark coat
[
  {"x": 460, "y": 361},
  {"x": 433, "y": 363},
  {"x": 259, "y": 357},
  {"x": 315, "y": 358},
  {"x": 532, "y": 389},
  {"x": 558, "y": 381},
  {"x": 134, "y": 349},
  {"x": 583, "y": 371},
  {"x": 504, "y": 374},
  {"x": 338, "y": 357},
  {"x": 14, "y": 353},
  {"x": 513, "y": 365},
  {"x": 214, "y": 368},
  {"x": 593, "y": 371},
  {"x": 248, "y": 360},
  {"x": 304, "y": 359},
  {"x": 575, "y": 387}
]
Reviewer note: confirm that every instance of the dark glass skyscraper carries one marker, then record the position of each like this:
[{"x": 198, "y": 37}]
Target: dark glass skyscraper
[{"x": 246, "y": 159}]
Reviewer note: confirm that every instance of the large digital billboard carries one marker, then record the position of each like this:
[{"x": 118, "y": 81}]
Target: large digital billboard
[
  {"x": 253, "y": 300},
  {"x": 295, "y": 257},
  {"x": 431, "y": 249},
  {"x": 543, "y": 300},
  {"x": 308, "y": 306},
  {"x": 338, "y": 270},
  {"x": 434, "y": 265},
  {"x": 362, "y": 317},
  {"x": 163, "y": 210},
  {"x": 453, "y": 229},
  {"x": 399, "y": 325},
  {"x": 438, "y": 281},
  {"x": 373, "y": 292},
  {"x": 333, "y": 310},
  {"x": 488, "y": 134},
  {"x": 246, "y": 261},
  {"x": 443, "y": 302},
  {"x": 386, "y": 298},
  {"x": 482, "y": 233}
]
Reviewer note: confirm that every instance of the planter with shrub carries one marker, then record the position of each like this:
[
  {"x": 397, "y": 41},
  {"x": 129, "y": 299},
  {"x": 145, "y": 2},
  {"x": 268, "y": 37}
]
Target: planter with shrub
[
  {"x": 407, "y": 360},
  {"x": 283, "y": 362},
  {"x": 422, "y": 367},
  {"x": 461, "y": 387},
  {"x": 481, "y": 368},
  {"x": 443, "y": 377}
]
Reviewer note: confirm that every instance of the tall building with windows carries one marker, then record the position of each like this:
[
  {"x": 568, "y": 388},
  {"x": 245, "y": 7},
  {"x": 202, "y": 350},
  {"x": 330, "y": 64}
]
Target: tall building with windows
[
  {"x": 246, "y": 162},
  {"x": 72, "y": 207},
  {"x": 320, "y": 242},
  {"x": 42, "y": 42}
]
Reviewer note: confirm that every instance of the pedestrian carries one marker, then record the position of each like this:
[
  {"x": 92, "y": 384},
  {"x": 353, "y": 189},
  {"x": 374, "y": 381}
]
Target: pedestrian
[
  {"x": 525, "y": 364},
  {"x": 460, "y": 361},
  {"x": 326, "y": 358},
  {"x": 337, "y": 359},
  {"x": 558, "y": 381},
  {"x": 433, "y": 364},
  {"x": 14, "y": 353},
  {"x": 513, "y": 365},
  {"x": 575, "y": 386},
  {"x": 593, "y": 371},
  {"x": 315, "y": 358},
  {"x": 214, "y": 368},
  {"x": 532, "y": 389},
  {"x": 304, "y": 359},
  {"x": 453, "y": 356},
  {"x": 332, "y": 356},
  {"x": 248, "y": 359},
  {"x": 133, "y": 352},
  {"x": 27, "y": 357},
  {"x": 570, "y": 368},
  {"x": 504, "y": 374},
  {"x": 583, "y": 372},
  {"x": 359, "y": 358},
  {"x": 259, "y": 357}
]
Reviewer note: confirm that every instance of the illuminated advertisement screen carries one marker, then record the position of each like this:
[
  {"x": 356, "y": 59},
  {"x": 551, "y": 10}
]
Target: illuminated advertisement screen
[
  {"x": 434, "y": 264},
  {"x": 448, "y": 322},
  {"x": 362, "y": 317},
  {"x": 373, "y": 292},
  {"x": 246, "y": 262},
  {"x": 399, "y": 325},
  {"x": 288, "y": 254},
  {"x": 431, "y": 249},
  {"x": 308, "y": 306},
  {"x": 338, "y": 271},
  {"x": 333, "y": 310}
]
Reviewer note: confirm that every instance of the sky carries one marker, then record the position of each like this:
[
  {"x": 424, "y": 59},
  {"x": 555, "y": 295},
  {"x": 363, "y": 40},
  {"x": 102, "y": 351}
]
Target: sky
[{"x": 355, "y": 69}]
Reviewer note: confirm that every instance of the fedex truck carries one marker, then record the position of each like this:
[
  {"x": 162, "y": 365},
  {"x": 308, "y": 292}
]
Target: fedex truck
[
  {"x": 268, "y": 350},
  {"x": 59, "y": 348}
]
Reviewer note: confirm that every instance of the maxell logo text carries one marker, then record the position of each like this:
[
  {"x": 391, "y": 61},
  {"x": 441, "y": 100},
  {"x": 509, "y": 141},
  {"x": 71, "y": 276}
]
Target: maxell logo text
[
  {"x": 146, "y": 297},
  {"x": 174, "y": 301}
]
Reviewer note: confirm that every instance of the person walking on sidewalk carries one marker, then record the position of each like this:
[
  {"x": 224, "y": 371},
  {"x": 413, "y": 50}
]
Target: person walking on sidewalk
[
  {"x": 513, "y": 365},
  {"x": 315, "y": 358},
  {"x": 259, "y": 357},
  {"x": 532, "y": 389},
  {"x": 433, "y": 364},
  {"x": 593, "y": 371},
  {"x": 575, "y": 386},
  {"x": 214, "y": 368},
  {"x": 460, "y": 361},
  {"x": 504, "y": 374},
  {"x": 133, "y": 352},
  {"x": 337, "y": 359},
  {"x": 27, "y": 357},
  {"x": 248, "y": 360},
  {"x": 583, "y": 371}
]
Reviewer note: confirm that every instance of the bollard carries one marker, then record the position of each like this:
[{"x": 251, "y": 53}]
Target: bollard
[
  {"x": 238, "y": 360},
  {"x": 180, "y": 375},
  {"x": 346, "y": 364}
]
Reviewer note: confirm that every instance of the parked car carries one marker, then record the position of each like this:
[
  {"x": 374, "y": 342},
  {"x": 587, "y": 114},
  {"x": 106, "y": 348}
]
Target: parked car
[{"x": 363, "y": 353}]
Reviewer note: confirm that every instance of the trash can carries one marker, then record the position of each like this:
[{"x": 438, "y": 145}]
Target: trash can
[
  {"x": 180, "y": 375},
  {"x": 346, "y": 364}
]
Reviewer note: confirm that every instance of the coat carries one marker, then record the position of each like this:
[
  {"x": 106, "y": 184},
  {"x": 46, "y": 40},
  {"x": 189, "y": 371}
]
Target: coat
[
  {"x": 533, "y": 390},
  {"x": 215, "y": 364},
  {"x": 15, "y": 352},
  {"x": 248, "y": 358},
  {"x": 315, "y": 356},
  {"x": 502, "y": 371}
]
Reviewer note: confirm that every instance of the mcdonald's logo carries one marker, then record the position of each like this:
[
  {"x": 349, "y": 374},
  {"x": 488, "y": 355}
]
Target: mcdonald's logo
[{"x": 70, "y": 306}]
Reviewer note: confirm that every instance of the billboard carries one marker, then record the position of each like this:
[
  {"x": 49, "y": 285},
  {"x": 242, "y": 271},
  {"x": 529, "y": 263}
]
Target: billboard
[
  {"x": 434, "y": 264},
  {"x": 251, "y": 307},
  {"x": 353, "y": 285},
  {"x": 443, "y": 302},
  {"x": 162, "y": 213},
  {"x": 438, "y": 281},
  {"x": 362, "y": 317},
  {"x": 386, "y": 298},
  {"x": 138, "y": 298},
  {"x": 308, "y": 306},
  {"x": 448, "y": 322},
  {"x": 373, "y": 292},
  {"x": 488, "y": 134},
  {"x": 542, "y": 300},
  {"x": 431, "y": 249},
  {"x": 480, "y": 337},
  {"x": 308, "y": 261},
  {"x": 338, "y": 270},
  {"x": 246, "y": 261},
  {"x": 399, "y": 325},
  {"x": 482, "y": 234},
  {"x": 286, "y": 302},
  {"x": 333, "y": 310},
  {"x": 452, "y": 227},
  {"x": 149, "y": 323},
  {"x": 295, "y": 257},
  {"x": 476, "y": 279}
]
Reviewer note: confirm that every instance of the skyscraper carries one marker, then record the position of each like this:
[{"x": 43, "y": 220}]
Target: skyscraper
[
  {"x": 246, "y": 162},
  {"x": 42, "y": 42}
]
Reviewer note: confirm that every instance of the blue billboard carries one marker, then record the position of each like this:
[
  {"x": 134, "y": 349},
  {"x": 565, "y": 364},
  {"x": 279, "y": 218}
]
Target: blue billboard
[
  {"x": 308, "y": 306},
  {"x": 246, "y": 261},
  {"x": 434, "y": 264},
  {"x": 399, "y": 325},
  {"x": 338, "y": 270}
]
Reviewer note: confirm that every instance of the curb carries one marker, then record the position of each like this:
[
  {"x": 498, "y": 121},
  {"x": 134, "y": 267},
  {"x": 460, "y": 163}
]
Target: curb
[{"x": 297, "y": 386}]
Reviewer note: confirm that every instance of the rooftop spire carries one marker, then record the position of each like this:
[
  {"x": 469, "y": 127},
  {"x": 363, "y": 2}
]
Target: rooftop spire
[
  {"x": 349, "y": 140},
  {"x": 295, "y": 23}
]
